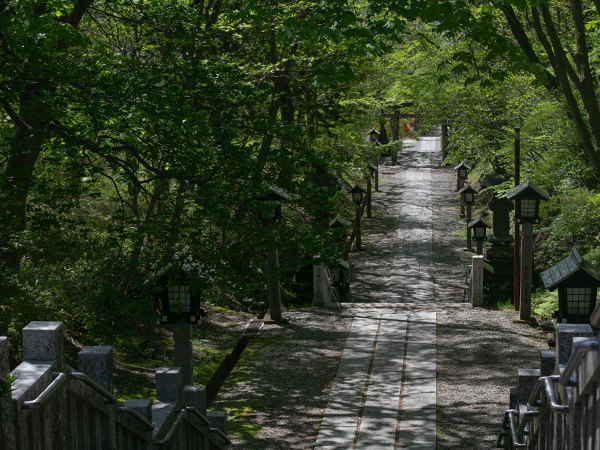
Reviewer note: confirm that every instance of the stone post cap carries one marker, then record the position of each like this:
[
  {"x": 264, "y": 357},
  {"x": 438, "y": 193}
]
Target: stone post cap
[
  {"x": 43, "y": 341},
  {"x": 168, "y": 384}
]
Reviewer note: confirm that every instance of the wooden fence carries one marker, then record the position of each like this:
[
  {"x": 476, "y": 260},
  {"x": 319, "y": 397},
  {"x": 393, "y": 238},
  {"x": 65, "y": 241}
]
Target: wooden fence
[{"x": 53, "y": 406}]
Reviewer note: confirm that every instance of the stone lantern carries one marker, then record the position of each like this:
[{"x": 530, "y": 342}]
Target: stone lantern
[
  {"x": 180, "y": 306},
  {"x": 468, "y": 194},
  {"x": 479, "y": 228},
  {"x": 527, "y": 198},
  {"x": 577, "y": 282},
  {"x": 358, "y": 194},
  {"x": 340, "y": 274},
  {"x": 462, "y": 170},
  {"x": 270, "y": 211},
  {"x": 373, "y": 135}
]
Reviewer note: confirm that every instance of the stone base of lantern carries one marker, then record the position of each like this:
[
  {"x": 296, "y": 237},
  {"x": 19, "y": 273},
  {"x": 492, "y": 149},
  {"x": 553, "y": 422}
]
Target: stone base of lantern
[{"x": 499, "y": 283}]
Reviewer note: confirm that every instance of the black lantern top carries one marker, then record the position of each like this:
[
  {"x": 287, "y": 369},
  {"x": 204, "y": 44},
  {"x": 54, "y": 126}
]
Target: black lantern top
[
  {"x": 373, "y": 135},
  {"x": 357, "y": 194},
  {"x": 479, "y": 226},
  {"x": 462, "y": 169},
  {"x": 338, "y": 222},
  {"x": 572, "y": 271},
  {"x": 577, "y": 282},
  {"x": 178, "y": 301},
  {"x": 527, "y": 198},
  {"x": 271, "y": 204},
  {"x": 468, "y": 194}
]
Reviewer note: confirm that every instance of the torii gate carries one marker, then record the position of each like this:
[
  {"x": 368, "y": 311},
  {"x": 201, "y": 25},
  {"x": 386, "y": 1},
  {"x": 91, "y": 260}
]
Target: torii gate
[{"x": 396, "y": 116}]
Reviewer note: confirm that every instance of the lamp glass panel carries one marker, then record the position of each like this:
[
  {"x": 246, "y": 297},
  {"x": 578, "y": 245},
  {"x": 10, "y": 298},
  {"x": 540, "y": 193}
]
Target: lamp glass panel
[
  {"x": 335, "y": 274},
  {"x": 269, "y": 209},
  {"x": 373, "y": 137},
  {"x": 479, "y": 232},
  {"x": 468, "y": 197},
  {"x": 357, "y": 197},
  {"x": 578, "y": 300},
  {"x": 528, "y": 207},
  {"x": 179, "y": 298},
  {"x": 462, "y": 173}
]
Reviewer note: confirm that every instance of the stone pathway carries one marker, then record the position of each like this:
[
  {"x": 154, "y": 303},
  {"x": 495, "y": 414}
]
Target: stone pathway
[{"x": 384, "y": 394}]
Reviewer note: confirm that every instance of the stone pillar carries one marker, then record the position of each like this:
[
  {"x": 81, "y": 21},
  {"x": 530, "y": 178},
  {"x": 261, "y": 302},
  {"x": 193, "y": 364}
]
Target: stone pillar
[
  {"x": 477, "y": 281},
  {"x": 195, "y": 397},
  {"x": 526, "y": 383},
  {"x": 369, "y": 197},
  {"x": 526, "y": 271},
  {"x": 218, "y": 419},
  {"x": 547, "y": 362},
  {"x": 97, "y": 363},
  {"x": 377, "y": 180},
  {"x": 182, "y": 351},
  {"x": 7, "y": 424},
  {"x": 142, "y": 406},
  {"x": 321, "y": 292},
  {"x": 565, "y": 332},
  {"x": 43, "y": 341},
  {"x": 168, "y": 384},
  {"x": 357, "y": 236},
  {"x": 469, "y": 217},
  {"x": 273, "y": 286}
]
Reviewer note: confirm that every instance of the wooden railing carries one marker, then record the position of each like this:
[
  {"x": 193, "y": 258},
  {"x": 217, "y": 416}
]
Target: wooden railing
[{"x": 52, "y": 406}]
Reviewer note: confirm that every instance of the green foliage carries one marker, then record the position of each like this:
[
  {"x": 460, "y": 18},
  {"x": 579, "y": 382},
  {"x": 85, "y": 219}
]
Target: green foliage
[
  {"x": 544, "y": 303},
  {"x": 574, "y": 221}
]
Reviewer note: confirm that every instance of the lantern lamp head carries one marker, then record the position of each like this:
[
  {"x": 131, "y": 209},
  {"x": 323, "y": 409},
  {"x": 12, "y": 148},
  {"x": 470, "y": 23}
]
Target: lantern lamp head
[
  {"x": 358, "y": 194},
  {"x": 577, "y": 282},
  {"x": 527, "y": 198},
  {"x": 340, "y": 273},
  {"x": 468, "y": 194},
  {"x": 178, "y": 301},
  {"x": 479, "y": 227},
  {"x": 373, "y": 135},
  {"x": 270, "y": 211},
  {"x": 462, "y": 170}
]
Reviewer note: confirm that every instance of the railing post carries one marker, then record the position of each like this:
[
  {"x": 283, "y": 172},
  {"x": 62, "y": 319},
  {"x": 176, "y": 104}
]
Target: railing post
[
  {"x": 168, "y": 384},
  {"x": 195, "y": 397},
  {"x": 7, "y": 421},
  {"x": 44, "y": 342},
  {"x": 218, "y": 420},
  {"x": 97, "y": 363}
]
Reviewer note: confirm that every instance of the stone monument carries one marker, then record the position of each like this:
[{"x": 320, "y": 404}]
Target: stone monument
[{"x": 500, "y": 254}]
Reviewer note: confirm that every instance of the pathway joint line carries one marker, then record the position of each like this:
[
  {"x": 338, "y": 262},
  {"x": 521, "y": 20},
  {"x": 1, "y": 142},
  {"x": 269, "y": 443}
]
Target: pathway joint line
[
  {"x": 366, "y": 390},
  {"x": 403, "y": 379}
]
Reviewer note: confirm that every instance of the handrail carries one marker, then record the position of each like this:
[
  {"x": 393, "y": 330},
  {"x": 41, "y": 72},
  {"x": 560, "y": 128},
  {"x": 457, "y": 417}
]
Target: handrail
[
  {"x": 171, "y": 431},
  {"x": 199, "y": 415},
  {"x": 222, "y": 435},
  {"x": 46, "y": 393},
  {"x": 580, "y": 348},
  {"x": 509, "y": 417},
  {"x": 526, "y": 417},
  {"x": 134, "y": 414},
  {"x": 595, "y": 317},
  {"x": 547, "y": 384},
  {"x": 330, "y": 284},
  {"x": 108, "y": 397}
]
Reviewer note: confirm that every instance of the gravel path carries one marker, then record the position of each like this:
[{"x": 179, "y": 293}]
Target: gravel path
[{"x": 277, "y": 394}]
